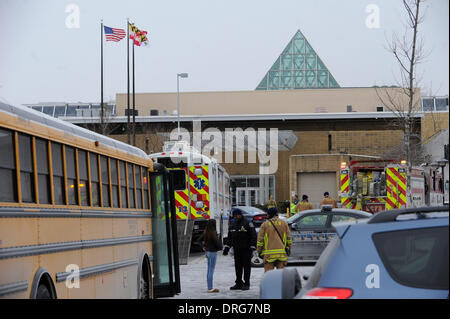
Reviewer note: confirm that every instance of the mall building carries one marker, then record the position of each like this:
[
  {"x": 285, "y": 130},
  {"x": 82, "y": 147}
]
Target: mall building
[{"x": 319, "y": 125}]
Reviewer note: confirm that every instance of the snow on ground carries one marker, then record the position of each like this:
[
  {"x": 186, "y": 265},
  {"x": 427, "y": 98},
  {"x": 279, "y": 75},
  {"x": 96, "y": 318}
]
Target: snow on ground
[{"x": 193, "y": 279}]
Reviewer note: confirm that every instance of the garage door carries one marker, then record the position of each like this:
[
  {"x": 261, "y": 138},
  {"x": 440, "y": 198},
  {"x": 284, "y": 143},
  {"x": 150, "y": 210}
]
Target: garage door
[{"x": 315, "y": 184}]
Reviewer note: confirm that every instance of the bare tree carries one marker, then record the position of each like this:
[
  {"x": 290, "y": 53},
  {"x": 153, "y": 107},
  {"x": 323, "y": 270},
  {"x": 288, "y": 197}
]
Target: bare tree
[{"x": 404, "y": 100}]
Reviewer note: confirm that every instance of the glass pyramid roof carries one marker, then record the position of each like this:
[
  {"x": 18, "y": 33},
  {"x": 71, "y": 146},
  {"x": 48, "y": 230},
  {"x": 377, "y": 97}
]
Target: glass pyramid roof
[{"x": 298, "y": 67}]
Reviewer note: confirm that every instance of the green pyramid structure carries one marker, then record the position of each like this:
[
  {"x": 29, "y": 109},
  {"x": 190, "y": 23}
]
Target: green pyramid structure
[{"x": 298, "y": 67}]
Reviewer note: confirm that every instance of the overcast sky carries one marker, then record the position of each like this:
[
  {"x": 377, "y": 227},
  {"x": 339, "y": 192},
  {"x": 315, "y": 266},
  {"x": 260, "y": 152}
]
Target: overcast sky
[{"x": 223, "y": 44}]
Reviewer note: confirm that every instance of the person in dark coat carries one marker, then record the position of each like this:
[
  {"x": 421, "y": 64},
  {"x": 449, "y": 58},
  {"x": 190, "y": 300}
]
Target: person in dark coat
[{"x": 242, "y": 237}]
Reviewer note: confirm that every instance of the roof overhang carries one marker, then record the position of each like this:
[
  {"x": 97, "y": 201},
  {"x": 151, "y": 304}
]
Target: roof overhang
[{"x": 241, "y": 117}]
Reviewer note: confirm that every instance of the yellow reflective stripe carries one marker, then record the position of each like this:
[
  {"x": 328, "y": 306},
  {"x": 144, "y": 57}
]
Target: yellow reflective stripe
[
  {"x": 273, "y": 251},
  {"x": 266, "y": 240},
  {"x": 280, "y": 258},
  {"x": 180, "y": 199}
]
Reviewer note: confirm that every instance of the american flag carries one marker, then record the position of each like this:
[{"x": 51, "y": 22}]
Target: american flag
[{"x": 113, "y": 34}]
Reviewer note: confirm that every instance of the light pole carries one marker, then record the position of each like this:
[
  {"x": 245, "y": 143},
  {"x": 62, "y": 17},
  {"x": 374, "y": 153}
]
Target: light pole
[{"x": 179, "y": 75}]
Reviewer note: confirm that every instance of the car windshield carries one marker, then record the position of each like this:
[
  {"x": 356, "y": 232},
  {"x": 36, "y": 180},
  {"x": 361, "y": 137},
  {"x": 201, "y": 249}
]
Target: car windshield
[{"x": 294, "y": 218}]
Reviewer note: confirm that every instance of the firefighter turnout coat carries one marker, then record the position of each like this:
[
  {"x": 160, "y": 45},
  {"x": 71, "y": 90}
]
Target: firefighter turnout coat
[
  {"x": 303, "y": 205},
  {"x": 269, "y": 244}
]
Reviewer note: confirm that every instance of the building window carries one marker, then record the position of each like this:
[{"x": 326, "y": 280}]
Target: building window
[
  {"x": 245, "y": 188},
  {"x": 441, "y": 104},
  {"x": 428, "y": 104}
]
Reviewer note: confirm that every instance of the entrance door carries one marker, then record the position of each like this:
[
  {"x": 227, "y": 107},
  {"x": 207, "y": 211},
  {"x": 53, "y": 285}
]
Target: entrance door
[
  {"x": 252, "y": 196},
  {"x": 246, "y": 196},
  {"x": 166, "y": 280}
]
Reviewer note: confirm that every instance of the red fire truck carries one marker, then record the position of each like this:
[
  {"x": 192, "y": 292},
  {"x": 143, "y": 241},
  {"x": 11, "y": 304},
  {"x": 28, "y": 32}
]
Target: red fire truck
[{"x": 376, "y": 185}]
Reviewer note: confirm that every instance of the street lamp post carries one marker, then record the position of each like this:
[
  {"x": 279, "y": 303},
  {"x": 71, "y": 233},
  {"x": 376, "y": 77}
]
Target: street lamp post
[{"x": 179, "y": 75}]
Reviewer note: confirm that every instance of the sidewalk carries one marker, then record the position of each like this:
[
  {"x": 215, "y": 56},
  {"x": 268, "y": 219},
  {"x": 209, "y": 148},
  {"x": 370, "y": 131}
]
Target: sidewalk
[{"x": 193, "y": 279}]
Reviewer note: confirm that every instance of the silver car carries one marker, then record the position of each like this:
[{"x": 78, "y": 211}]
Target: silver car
[{"x": 311, "y": 231}]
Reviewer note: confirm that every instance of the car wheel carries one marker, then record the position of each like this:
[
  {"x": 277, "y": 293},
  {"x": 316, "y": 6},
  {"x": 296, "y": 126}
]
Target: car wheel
[{"x": 256, "y": 261}]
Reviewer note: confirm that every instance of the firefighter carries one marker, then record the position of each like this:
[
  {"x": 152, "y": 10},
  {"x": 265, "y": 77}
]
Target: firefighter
[
  {"x": 242, "y": 237},
  {"x": 294, "y": 203},
  {"x": 327, "y": 200},
  {"x": 271, "y": 202},
  {"x": 303, "y": 205},
  {"x": 274, "y": 241}
]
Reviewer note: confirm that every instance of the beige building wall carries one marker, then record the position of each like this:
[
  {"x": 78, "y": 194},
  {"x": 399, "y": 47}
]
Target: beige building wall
[
  {"x": 433, "y": 123},
  {"x": 262, "y": 102},
  {"x": 312, "y": 154}
]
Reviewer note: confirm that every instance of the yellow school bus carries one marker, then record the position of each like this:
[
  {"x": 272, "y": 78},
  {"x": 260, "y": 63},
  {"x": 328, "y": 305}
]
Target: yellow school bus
[{"x": 75, "y": 211}]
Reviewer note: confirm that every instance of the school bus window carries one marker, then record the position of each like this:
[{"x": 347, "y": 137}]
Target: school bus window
[
  {"x": 93, "y": 158},
  {"x": 137, "y": 173},
  {"x": 72, "y": 190},
  {"x": 114, "y": 182},
  {"x": 58, "y": 174},
  {"x": 105, "y": 181},
  {"x": 26, "y": 169},
  {"x": 8, "y": 186},
  {"x": 123, "y": 184},
  {"x": 145, "y": 187},
  {"x": 131, "y": 185},
  {"x": 83, "y": 177},
  {"x": 43, "y": 171}
]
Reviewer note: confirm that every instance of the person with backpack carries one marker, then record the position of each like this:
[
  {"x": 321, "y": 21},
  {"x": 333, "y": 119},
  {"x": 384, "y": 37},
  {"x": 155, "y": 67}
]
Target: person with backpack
[{"x": 274, "y": 241}]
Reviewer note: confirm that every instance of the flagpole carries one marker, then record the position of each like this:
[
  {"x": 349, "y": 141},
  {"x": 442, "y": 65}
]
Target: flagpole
[
  {"x": 128, "y": 80},
  {"x": 134, "y": 106},
  {"x": 101, "y": 78}
]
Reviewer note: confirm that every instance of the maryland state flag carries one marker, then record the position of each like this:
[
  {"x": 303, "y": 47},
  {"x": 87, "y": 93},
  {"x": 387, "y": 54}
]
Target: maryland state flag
[{"x": 139, "y": 36}]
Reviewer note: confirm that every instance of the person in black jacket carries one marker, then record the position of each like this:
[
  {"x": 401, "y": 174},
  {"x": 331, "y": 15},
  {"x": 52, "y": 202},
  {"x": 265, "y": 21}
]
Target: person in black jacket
[
  {"x": 211, "y": 244},
  {"x": 242, "y": 237}
]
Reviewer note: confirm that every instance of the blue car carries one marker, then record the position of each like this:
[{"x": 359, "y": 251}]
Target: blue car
[{"x": 394, "y": 254}]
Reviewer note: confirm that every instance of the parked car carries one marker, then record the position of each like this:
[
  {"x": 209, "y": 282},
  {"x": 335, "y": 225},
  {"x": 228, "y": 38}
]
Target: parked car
[
  {"x": 253, "y": 214},
  {"x": 395, "y": 254},
  {"x": 311, "y": 231}
]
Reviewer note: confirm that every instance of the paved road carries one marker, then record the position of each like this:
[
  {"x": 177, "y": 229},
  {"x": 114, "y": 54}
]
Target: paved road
[{"x": 193, "y": 279}]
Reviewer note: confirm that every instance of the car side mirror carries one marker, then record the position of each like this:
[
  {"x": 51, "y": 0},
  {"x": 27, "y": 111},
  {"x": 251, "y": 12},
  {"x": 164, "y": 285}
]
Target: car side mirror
[{"x": 294, "y": 226}]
